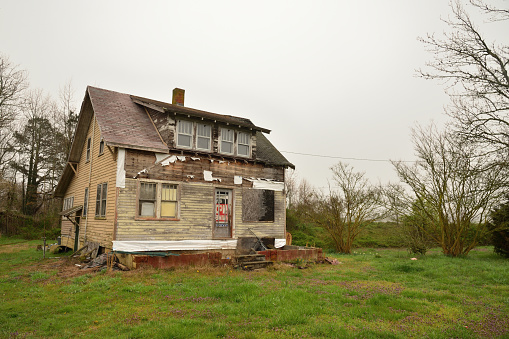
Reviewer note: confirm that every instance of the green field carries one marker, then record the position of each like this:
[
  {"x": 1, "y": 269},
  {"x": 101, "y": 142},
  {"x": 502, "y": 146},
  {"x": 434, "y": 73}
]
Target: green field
[{"x": 370, "y": 294}]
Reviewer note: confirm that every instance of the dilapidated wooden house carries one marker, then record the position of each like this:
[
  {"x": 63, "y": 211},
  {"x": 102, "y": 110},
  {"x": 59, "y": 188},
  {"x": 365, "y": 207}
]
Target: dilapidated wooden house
[{"x": 145, "y": 175}]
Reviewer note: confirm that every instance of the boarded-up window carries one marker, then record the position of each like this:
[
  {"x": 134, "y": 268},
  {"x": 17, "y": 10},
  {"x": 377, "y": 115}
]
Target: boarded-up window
[{"x": 257, "y": 205}]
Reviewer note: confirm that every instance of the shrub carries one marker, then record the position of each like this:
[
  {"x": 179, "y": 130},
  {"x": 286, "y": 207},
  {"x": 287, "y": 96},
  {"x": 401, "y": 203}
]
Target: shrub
[{"x": 499, "y": 228}]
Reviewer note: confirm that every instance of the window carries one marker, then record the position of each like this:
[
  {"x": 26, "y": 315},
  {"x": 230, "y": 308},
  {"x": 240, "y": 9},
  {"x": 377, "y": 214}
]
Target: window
[
  {"x": 185, "y": 134},
  {"x": 147, "y": 203},
  {"x": 101, "y": 147},
  {"x": 257, "y": 205},
  {"x": 226, "y": 141},
  {"x": 158, "y": 200},
  {"x": 85, "y": 202},
  {"x": 204, "y": 133},
  {"x": 100, "y": 202},
  {"x": 243, "y": 144},
  {"x": 68, "y": 203},
  {"x": 169, "y": 201},
  {"x": 89, "y": 143}
]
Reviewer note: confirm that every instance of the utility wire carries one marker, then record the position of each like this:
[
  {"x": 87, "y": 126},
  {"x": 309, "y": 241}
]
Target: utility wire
[{"x": 344, "y": 158}]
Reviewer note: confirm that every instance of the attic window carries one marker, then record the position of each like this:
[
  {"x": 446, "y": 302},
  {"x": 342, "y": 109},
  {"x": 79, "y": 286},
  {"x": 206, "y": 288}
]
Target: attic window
[
  {"x": 227, "y": 141},
  {"x": 204, "y": 134},
  {"x": 89, "y": 143},
  {"x": 101, "y": 147},
  {"x": 243, "y": 144},
  {"x": 185, "y": 134}
]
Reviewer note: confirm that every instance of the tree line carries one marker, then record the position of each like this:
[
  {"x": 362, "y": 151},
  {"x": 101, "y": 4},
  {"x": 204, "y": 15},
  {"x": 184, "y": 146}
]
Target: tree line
[
  {"x": 451, "y": 196},
  {"x": 456, "y": 191},
  {"x": 36, "y": 134}
]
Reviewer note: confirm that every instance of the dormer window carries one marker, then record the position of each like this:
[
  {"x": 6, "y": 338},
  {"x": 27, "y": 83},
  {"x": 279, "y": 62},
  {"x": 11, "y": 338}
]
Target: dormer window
[
  {"x": 243, "y": 141},
  {"x": 185, "y": 134},
  {"x": 204, "y": 136},
  {"x": 227, "y": 140}
]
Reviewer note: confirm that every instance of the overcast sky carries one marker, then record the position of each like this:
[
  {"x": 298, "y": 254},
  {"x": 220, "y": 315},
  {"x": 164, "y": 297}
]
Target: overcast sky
[{"x": 330, "y": 78}]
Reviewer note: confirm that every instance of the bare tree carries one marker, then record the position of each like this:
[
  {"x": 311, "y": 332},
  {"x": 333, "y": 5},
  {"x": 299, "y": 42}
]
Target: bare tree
[
  {"x": 35, "y": 151},
  {"x": 453, "y": 188},
  {"x": 347, "y": 209},
  {"x": 13, "y": 83},
  {"x": 476, "y": 71}
]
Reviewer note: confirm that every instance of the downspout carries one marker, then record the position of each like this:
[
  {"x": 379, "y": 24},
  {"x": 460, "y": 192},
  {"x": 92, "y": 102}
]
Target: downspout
[{"x": 90, "y": 176}]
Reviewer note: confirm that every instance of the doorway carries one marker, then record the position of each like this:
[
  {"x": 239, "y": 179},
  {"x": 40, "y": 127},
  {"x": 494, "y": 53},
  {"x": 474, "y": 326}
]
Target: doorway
[{"x": 223, "y": 214}]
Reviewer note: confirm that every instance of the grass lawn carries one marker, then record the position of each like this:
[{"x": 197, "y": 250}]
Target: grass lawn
[{"x": 369, "y": 294}]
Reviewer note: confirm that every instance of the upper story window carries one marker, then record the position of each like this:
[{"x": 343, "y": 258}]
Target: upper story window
[
  {"x": 68, "y": 203},
  {"x": 203, "y": 136},
  {"x": 101, "y": 147},
  {"x": 227, "y": 140},
  {"x": 89, "y": 143},
  {"x": 185, "y": 134},
  {"x": 243, "y": 142}
]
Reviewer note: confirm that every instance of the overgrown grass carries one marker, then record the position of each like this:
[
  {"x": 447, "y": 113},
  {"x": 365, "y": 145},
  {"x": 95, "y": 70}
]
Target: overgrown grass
[{"x": 370, "y": 294}]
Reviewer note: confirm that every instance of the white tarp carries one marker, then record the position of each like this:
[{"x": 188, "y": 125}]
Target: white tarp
[
  {"x": 161, "y": 156},
  {"x": 181, "y": 245},
  {"x": 177, "y": 245},
  {"x": 121, "y": 168},
  {"x": 279, "y": 243},
  {"x": 207, "y": 176},
  {"x": 268, "y": 185}
]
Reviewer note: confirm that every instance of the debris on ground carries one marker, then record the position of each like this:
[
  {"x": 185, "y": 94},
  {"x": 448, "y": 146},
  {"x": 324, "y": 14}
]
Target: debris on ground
[
  {"x": 332, "y": 261},
  {"x": 105, "y": 260}
]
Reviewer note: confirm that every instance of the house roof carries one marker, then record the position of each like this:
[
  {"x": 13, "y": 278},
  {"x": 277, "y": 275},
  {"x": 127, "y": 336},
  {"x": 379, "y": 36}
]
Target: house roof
[
  {"x": 124, "y": 122},
  {"x": 267, "y": 153}
]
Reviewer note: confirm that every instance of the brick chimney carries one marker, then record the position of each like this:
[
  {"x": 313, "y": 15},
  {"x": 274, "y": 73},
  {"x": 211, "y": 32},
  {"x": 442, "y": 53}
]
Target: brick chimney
[{"x": 178, "y": 97}]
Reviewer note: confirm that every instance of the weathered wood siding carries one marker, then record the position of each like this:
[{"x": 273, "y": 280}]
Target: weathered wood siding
[
  {"x": 196, "y": 215},
  {"x": 196, "y": 198},
  {"x": 192, "y": 170},
  {"x": 103, "y": 170}
]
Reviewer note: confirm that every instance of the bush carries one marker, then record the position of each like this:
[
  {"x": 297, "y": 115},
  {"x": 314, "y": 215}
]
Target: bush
[
  {"x": 499, "y": 228},
  {"x": 29, "y": 227}
]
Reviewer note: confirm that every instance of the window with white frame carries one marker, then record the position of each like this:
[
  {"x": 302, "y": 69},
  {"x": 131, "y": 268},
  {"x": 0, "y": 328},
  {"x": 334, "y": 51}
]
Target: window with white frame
[
  {"x": 203, "y": 136},
  {"x": 100, "y": 202},
  {"x": 158, "y": 200},
  {"x": 185, "y": 134},
  {"x": 227, "y": 140},
  {"x": 243, "y": 143}
]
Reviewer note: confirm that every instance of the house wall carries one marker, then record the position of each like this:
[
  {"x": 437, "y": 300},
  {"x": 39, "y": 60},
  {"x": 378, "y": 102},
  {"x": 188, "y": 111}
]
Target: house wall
[
  {"x": 103, "y": 170},
  {"x": 196, "y": 201}
]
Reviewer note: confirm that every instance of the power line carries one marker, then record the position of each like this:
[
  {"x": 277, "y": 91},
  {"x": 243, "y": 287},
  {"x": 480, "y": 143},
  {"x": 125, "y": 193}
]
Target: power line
[{"x": 343, "y": 158}]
